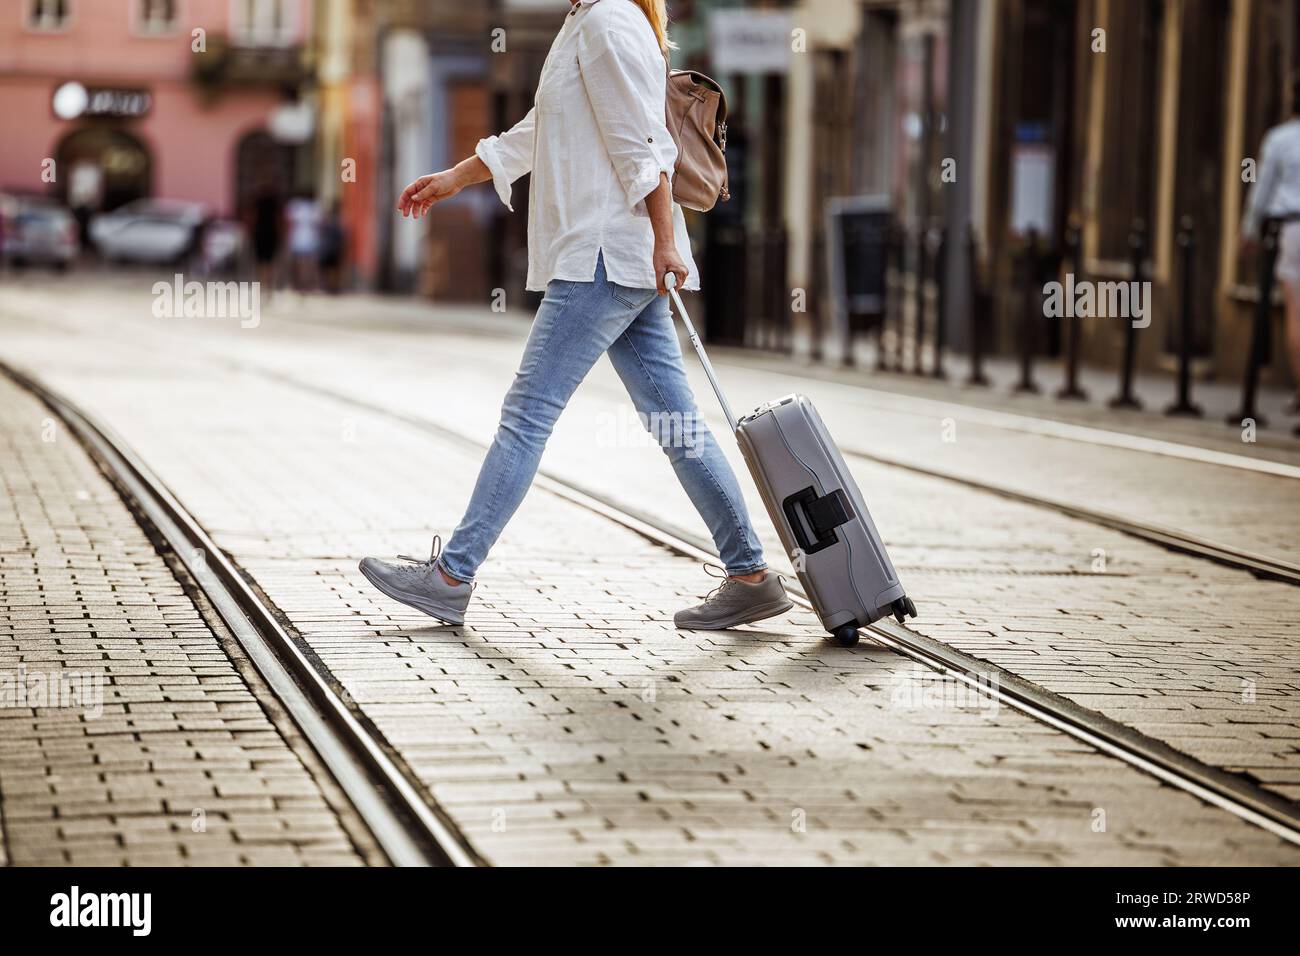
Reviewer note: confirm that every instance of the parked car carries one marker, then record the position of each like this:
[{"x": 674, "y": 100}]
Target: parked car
[
  {"x": 222, "y": 248},
  {"x": 37, "y": 230},
  {"x": 148, "y": 230}
]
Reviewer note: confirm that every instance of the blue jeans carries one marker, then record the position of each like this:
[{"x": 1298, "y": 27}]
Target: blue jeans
[{"x": 576, "y": 323}]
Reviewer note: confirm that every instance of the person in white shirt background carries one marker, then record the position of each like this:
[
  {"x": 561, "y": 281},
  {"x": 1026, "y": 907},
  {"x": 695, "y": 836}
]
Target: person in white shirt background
[
  {"x": 1276, "y": 195},
  {"x": 603, "y": 232},
  {"x": 302, "y": 213}
]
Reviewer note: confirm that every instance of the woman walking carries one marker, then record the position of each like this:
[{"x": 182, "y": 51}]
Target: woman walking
[{"x": 603, "y": 232}]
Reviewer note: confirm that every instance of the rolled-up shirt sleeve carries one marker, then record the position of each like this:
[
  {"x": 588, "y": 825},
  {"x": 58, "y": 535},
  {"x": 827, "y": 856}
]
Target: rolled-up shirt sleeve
[
  {"x": 509, "y": 155},
  {"x": 626, "y": 88}
]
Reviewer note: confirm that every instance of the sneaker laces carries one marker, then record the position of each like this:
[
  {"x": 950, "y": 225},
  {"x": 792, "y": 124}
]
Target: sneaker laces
[
  {"x": 425, "y": 564},
  {"x": 716, "y": 571},
  {"x": 434, "y": 552}
]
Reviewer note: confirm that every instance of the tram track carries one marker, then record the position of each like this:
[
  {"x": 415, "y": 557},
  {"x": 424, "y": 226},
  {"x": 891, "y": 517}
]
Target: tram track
[
  {"x": 1172, "y": 539},
  {"x": 409, "y": 827},
  {"x": 1228, "y": 791}
]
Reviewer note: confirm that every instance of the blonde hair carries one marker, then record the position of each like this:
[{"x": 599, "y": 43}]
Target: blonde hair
[{"x": 656, "y": 12}]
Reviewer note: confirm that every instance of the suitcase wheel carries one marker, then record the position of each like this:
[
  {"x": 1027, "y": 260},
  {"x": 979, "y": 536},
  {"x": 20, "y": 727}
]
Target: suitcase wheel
[
  {"x": 903, "y": 608},
  {"x": 846, "y": 635}
]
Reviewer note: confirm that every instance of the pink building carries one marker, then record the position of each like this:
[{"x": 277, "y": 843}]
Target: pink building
[{"x": 103, "y": 101}]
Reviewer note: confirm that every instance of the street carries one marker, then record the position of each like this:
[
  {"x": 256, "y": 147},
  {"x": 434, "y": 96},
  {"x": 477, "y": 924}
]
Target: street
[{"x": 568, "y": 722}]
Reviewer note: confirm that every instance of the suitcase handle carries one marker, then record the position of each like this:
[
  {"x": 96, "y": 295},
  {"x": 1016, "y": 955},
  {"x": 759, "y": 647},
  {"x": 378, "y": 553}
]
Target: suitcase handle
[
  {"x": 820, "y": 513},
  {"x": 670, "y": 282}
]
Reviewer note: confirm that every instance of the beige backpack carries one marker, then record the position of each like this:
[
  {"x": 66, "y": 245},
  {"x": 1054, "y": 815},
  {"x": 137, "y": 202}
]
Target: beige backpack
[{"x": 696, "y": 115}]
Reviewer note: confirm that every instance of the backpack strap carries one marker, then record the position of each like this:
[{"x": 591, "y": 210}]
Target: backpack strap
[{"x": 701, "y": 80}]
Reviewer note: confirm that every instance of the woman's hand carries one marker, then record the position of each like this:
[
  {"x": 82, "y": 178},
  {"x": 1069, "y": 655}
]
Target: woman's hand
[
  {"x": 435, "y": 187},
  {"x": 419, "y": 197},
  {"x": 666, "y": 260}
]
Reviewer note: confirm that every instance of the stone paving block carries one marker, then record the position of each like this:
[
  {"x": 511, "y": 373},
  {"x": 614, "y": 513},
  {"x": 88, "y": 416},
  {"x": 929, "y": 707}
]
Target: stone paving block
[{"x": 114, "y": 780}]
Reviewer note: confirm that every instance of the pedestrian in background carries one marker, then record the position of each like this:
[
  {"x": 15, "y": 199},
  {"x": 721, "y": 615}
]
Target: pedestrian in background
[
  {"x": 266, "y": 231},
  {"x": 302, "y": 215},
  {"x": 603, "y": 232},
  {"x": 1276, "y": 195},
  {"x": 332, "y": 239}
]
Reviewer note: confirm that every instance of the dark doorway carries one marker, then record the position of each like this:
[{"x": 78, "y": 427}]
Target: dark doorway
[
  {"x": 262, "y": 167},
  {"x": 103, "y": 167}
]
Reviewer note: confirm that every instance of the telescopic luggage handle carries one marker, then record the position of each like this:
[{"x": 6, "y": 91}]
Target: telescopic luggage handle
[{"x": 670, "y": 281}]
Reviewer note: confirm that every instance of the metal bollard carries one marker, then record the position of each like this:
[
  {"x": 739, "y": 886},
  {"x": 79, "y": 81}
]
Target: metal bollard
[
  {"x": 900, "y": 326},
  {"x": 1030, "y": 313},
  {"x": 1186, "y": 240},
  {"x": 976, "y": 307},
  {"x": 941, "y": 301},
  {"x": 1259, "y": 338},
  {"x": 1137, "y": 253},
  {"x": 1071, "y": 390},
  {"x": 893, "y": 293},
  {"x": 918, "y": 329}
]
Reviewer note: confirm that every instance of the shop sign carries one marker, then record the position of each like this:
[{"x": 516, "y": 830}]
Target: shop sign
[
  {"x": 750, "y": 41},
  {"x": 74, "y": 100}
]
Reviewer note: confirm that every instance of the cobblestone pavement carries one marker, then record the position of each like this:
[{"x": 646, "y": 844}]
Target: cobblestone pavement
[
  {"x": 569, "y": 722},
  {"x": 128, "y": 736}
]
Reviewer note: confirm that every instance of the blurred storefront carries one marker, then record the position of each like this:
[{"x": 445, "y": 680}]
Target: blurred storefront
[
  {"x": 743, "y": 243},
  {"x": 1148, "y": 110},
  {"x": 866, "y": 117},
  {"x": 407, "y": 87},
  {"x": 980, "y": 120},
  {"x": 175, "y": 99},
  {"x": 1114, "y": 115},
  {"x": 348, "y": 141},
  {"x": 483, "y": 62},
  {"x": 480, "y": 70}
]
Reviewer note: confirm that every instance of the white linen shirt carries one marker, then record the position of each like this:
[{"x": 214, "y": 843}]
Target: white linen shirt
[
  {"x": 1277, "y": 193},
  {"x": 596, "y": 143}
]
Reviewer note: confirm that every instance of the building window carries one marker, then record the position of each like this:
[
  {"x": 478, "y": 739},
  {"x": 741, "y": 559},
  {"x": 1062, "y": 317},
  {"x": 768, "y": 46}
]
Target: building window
[
  {"x": 48, "y": 14},
  {"x": 264, "y": 22},
  {"x": 156, "y": 16}
]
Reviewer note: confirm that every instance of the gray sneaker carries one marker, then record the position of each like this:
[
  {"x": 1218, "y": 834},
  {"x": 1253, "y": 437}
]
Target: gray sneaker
[
  {"x": 736, "y": 602},
  {"x": 420, "y": 584}
]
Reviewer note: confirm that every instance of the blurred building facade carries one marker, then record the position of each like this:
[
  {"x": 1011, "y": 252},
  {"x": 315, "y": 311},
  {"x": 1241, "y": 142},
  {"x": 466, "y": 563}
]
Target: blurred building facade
[
  {"x": 1043, "y": 123},
  {"x": 982, "y": 118},
  {"x": 1108, "y": 114},
  {"x": 181, "y": 99},
  {"x": 349, "y": 142}
]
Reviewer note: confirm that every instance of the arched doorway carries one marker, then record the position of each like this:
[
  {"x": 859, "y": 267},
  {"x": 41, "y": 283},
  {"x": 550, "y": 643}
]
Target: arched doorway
[
  {"x": 103, "y": 167},
  {"x": 263, "y": 168}
]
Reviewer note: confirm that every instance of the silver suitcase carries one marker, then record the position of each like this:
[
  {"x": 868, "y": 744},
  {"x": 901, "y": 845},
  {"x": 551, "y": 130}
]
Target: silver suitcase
[{"x": 816, "y": 507}]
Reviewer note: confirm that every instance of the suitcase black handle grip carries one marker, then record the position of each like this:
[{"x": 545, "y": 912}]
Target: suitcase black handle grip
[{"x": 821, "y": 514}]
